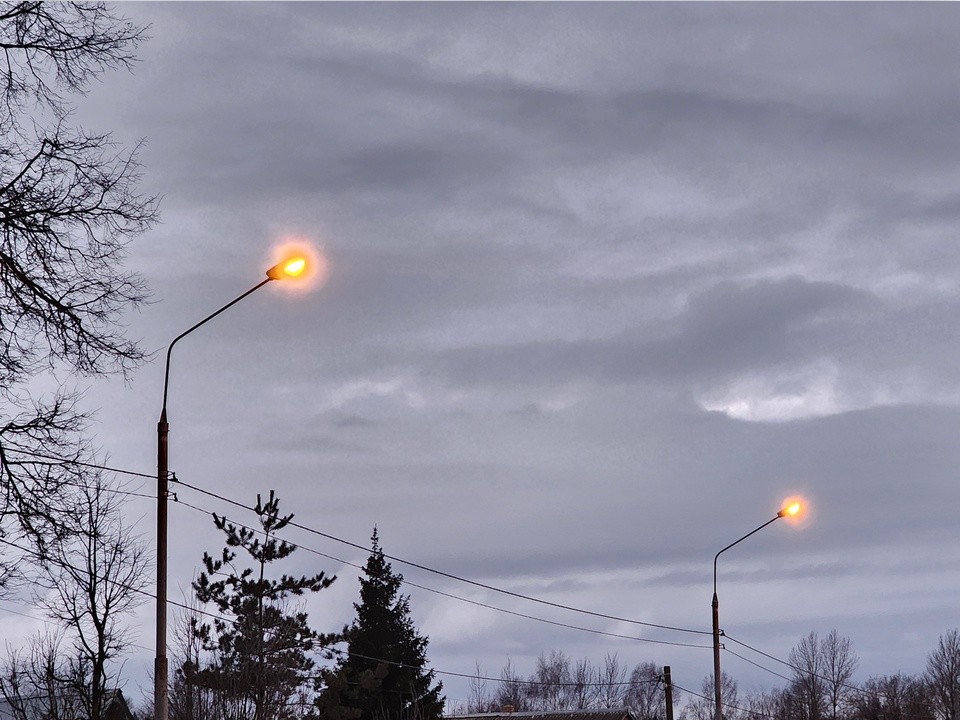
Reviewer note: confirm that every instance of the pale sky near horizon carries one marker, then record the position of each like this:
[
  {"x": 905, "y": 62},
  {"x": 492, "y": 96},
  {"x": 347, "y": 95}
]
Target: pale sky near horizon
[{"x": 606, "y": 283}]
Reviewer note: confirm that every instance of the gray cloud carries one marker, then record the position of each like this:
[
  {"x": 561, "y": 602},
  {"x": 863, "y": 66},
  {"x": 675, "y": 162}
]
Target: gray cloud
[
  {"x": 606, "y": 283},
  {"x": 727, "y": 330}
]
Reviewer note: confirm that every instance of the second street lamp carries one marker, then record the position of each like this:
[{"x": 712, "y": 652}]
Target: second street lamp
[
  {"x": 291, "y": 268},
  {"x": 790, "y": 509}
]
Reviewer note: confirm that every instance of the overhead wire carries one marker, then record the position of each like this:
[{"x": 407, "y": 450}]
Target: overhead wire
[
  {"x": 115, "y": 491},
  {"x": 795, "y": 668},
  {"x": 803, "y": 671},
  {"x": 481, "y": 677},
  {"x": 328, "y": 648},
  {"x": 442, "y": 573},
  {"x": 124, "y": 586},
  {"x": 448, "y": 575},
  {"x": 47, "y": 621},
  {"x": 53, "y": 460},
  {"x": 173, "y": 478},
  {"x": 755, "y": 664},
  {"x": 730, "y": 706},
  {"x": 407, "y": 582},
  {"x": 95, "y": 466},
  {"x": 459, "y": 598}
]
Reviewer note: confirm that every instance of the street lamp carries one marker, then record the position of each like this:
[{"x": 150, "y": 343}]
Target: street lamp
[
  {"x": 290, "y": 268},
  {"x": 791, "y": 509}
]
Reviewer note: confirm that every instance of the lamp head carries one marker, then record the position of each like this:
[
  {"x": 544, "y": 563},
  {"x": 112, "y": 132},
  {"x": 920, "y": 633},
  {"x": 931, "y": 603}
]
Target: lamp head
[
  {"x": 292, "y": 267},
  {"x": 792, "y": 510}
]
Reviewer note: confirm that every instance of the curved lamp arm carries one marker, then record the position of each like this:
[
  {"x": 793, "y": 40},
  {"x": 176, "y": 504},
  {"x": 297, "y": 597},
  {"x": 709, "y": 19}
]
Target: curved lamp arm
[
  {"x": 771, "y": 520},
  {"x": 208, "y": 318}
]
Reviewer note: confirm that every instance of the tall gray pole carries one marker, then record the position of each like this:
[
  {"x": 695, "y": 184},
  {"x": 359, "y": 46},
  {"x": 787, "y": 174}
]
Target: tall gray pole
[
  {"x": 160, "y": 670},
  {"x": 718, "y": 703},
  {"x": 160, "y": 674}
]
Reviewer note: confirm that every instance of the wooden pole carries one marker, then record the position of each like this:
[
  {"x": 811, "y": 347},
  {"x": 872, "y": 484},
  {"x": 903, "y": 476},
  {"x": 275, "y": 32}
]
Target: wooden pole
[{"x": 668, "y": 691}]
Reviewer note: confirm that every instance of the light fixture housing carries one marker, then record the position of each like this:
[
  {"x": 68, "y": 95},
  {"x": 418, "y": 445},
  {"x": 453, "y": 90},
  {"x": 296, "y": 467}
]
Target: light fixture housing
[
  {"x": 792, "y": 509},
  {"x": 287, "y": 269}
]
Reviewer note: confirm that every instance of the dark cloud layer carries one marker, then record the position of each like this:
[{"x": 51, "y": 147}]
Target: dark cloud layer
[{"x": 607, "y": 282}]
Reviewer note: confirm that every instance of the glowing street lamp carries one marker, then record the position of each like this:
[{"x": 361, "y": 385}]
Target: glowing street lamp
[
  {"x": 792, "y": 509},
  {"x": 287, "y": 269},
  {"x": 291, "y": 268}
]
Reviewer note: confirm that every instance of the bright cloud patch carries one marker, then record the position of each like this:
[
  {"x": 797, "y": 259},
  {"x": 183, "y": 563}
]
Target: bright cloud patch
[
  {"x": 367, "y": 391},
  {"x": 820, "y": 391},
  {"x": 780, "y": 399}
]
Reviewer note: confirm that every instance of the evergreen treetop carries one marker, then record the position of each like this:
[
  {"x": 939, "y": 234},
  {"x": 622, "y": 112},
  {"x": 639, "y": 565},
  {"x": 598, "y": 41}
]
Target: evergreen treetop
[
  {"x": 382, "y": 674},
  {"x": 259, "y": 656}
]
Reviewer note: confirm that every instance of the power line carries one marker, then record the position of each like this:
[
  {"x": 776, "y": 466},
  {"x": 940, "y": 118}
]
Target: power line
[
  {"x": 121, "y": 585},
  {"x": 516, "y": 681},
  {"x": 755, "y": 713},
  {"x": 65, "y": 461},
  {"x": 22, "y": 614},
  {"x": 803, "y": 671},
  {"x": 48, "y": 621},
  {"x": 328, "y": 648},
  {"x": 410, "y": 563},
  {"x": 755, "y": 664},
  {"x": 451, "y": 595},
  {"x": 766, "y": 655},
  {"x": 448, "y": 575},
  {"x": 795, "y": 668},
  {"x": 116, "y": 491}
]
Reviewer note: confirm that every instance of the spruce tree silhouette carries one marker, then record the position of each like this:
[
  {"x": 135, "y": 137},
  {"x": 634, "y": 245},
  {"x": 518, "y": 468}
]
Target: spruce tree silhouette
[{"x": 382, "y": 676}]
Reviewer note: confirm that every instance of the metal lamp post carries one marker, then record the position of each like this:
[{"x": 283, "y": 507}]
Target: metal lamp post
[
  {"x": 290, "y": 268},
  {"x": 791, "y": 510}
]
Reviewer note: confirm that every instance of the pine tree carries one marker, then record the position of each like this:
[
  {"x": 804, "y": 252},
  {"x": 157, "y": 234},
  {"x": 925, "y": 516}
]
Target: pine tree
[
  {"x": 259, "y": 658},
  {"x": 382, "y": 676}
]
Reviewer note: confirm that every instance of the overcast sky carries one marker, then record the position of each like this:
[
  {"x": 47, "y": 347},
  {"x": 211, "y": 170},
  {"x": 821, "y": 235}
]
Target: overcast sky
[{"x": 606, "y": 283}]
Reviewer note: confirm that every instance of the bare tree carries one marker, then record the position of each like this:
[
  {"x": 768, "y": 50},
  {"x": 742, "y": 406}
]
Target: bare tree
[
  {"x": 645, "y": 694},
  {"x": 559, "y": 685},
  {"x": 943, "y": 676},
  {"x": 69, "y": 206},
  {"x": 550, "y": 682},
  {"x": 43, "y": 683},
  {"x": 511, "y": 690},
  {"x": 700, "y": 706},
  {"x": 188, "y": 701},
  {"x": 584, "y": 691},
  {"x": 758, "y": 706},
  {"x": 480, "y": 701},
  {"x": 808, "y": 688},
  {"x": 892, "y": 697},
  {"x": 88, "y": 581},
  {"x": 839, "y": 663},
  {"x": 611, "y": 682}
]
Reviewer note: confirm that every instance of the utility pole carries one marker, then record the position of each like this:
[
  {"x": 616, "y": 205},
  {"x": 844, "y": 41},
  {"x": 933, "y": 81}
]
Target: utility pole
[
  {"x": 289, "y": 268},
  {"x": 668, "y": 691}
]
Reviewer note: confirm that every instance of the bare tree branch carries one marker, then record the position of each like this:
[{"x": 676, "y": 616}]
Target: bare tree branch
[{"x": 69, "y": 206}]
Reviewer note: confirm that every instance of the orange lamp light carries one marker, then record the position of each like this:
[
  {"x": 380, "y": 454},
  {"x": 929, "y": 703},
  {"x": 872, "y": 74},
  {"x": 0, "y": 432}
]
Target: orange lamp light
[{"x": 289, "y": 268}]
